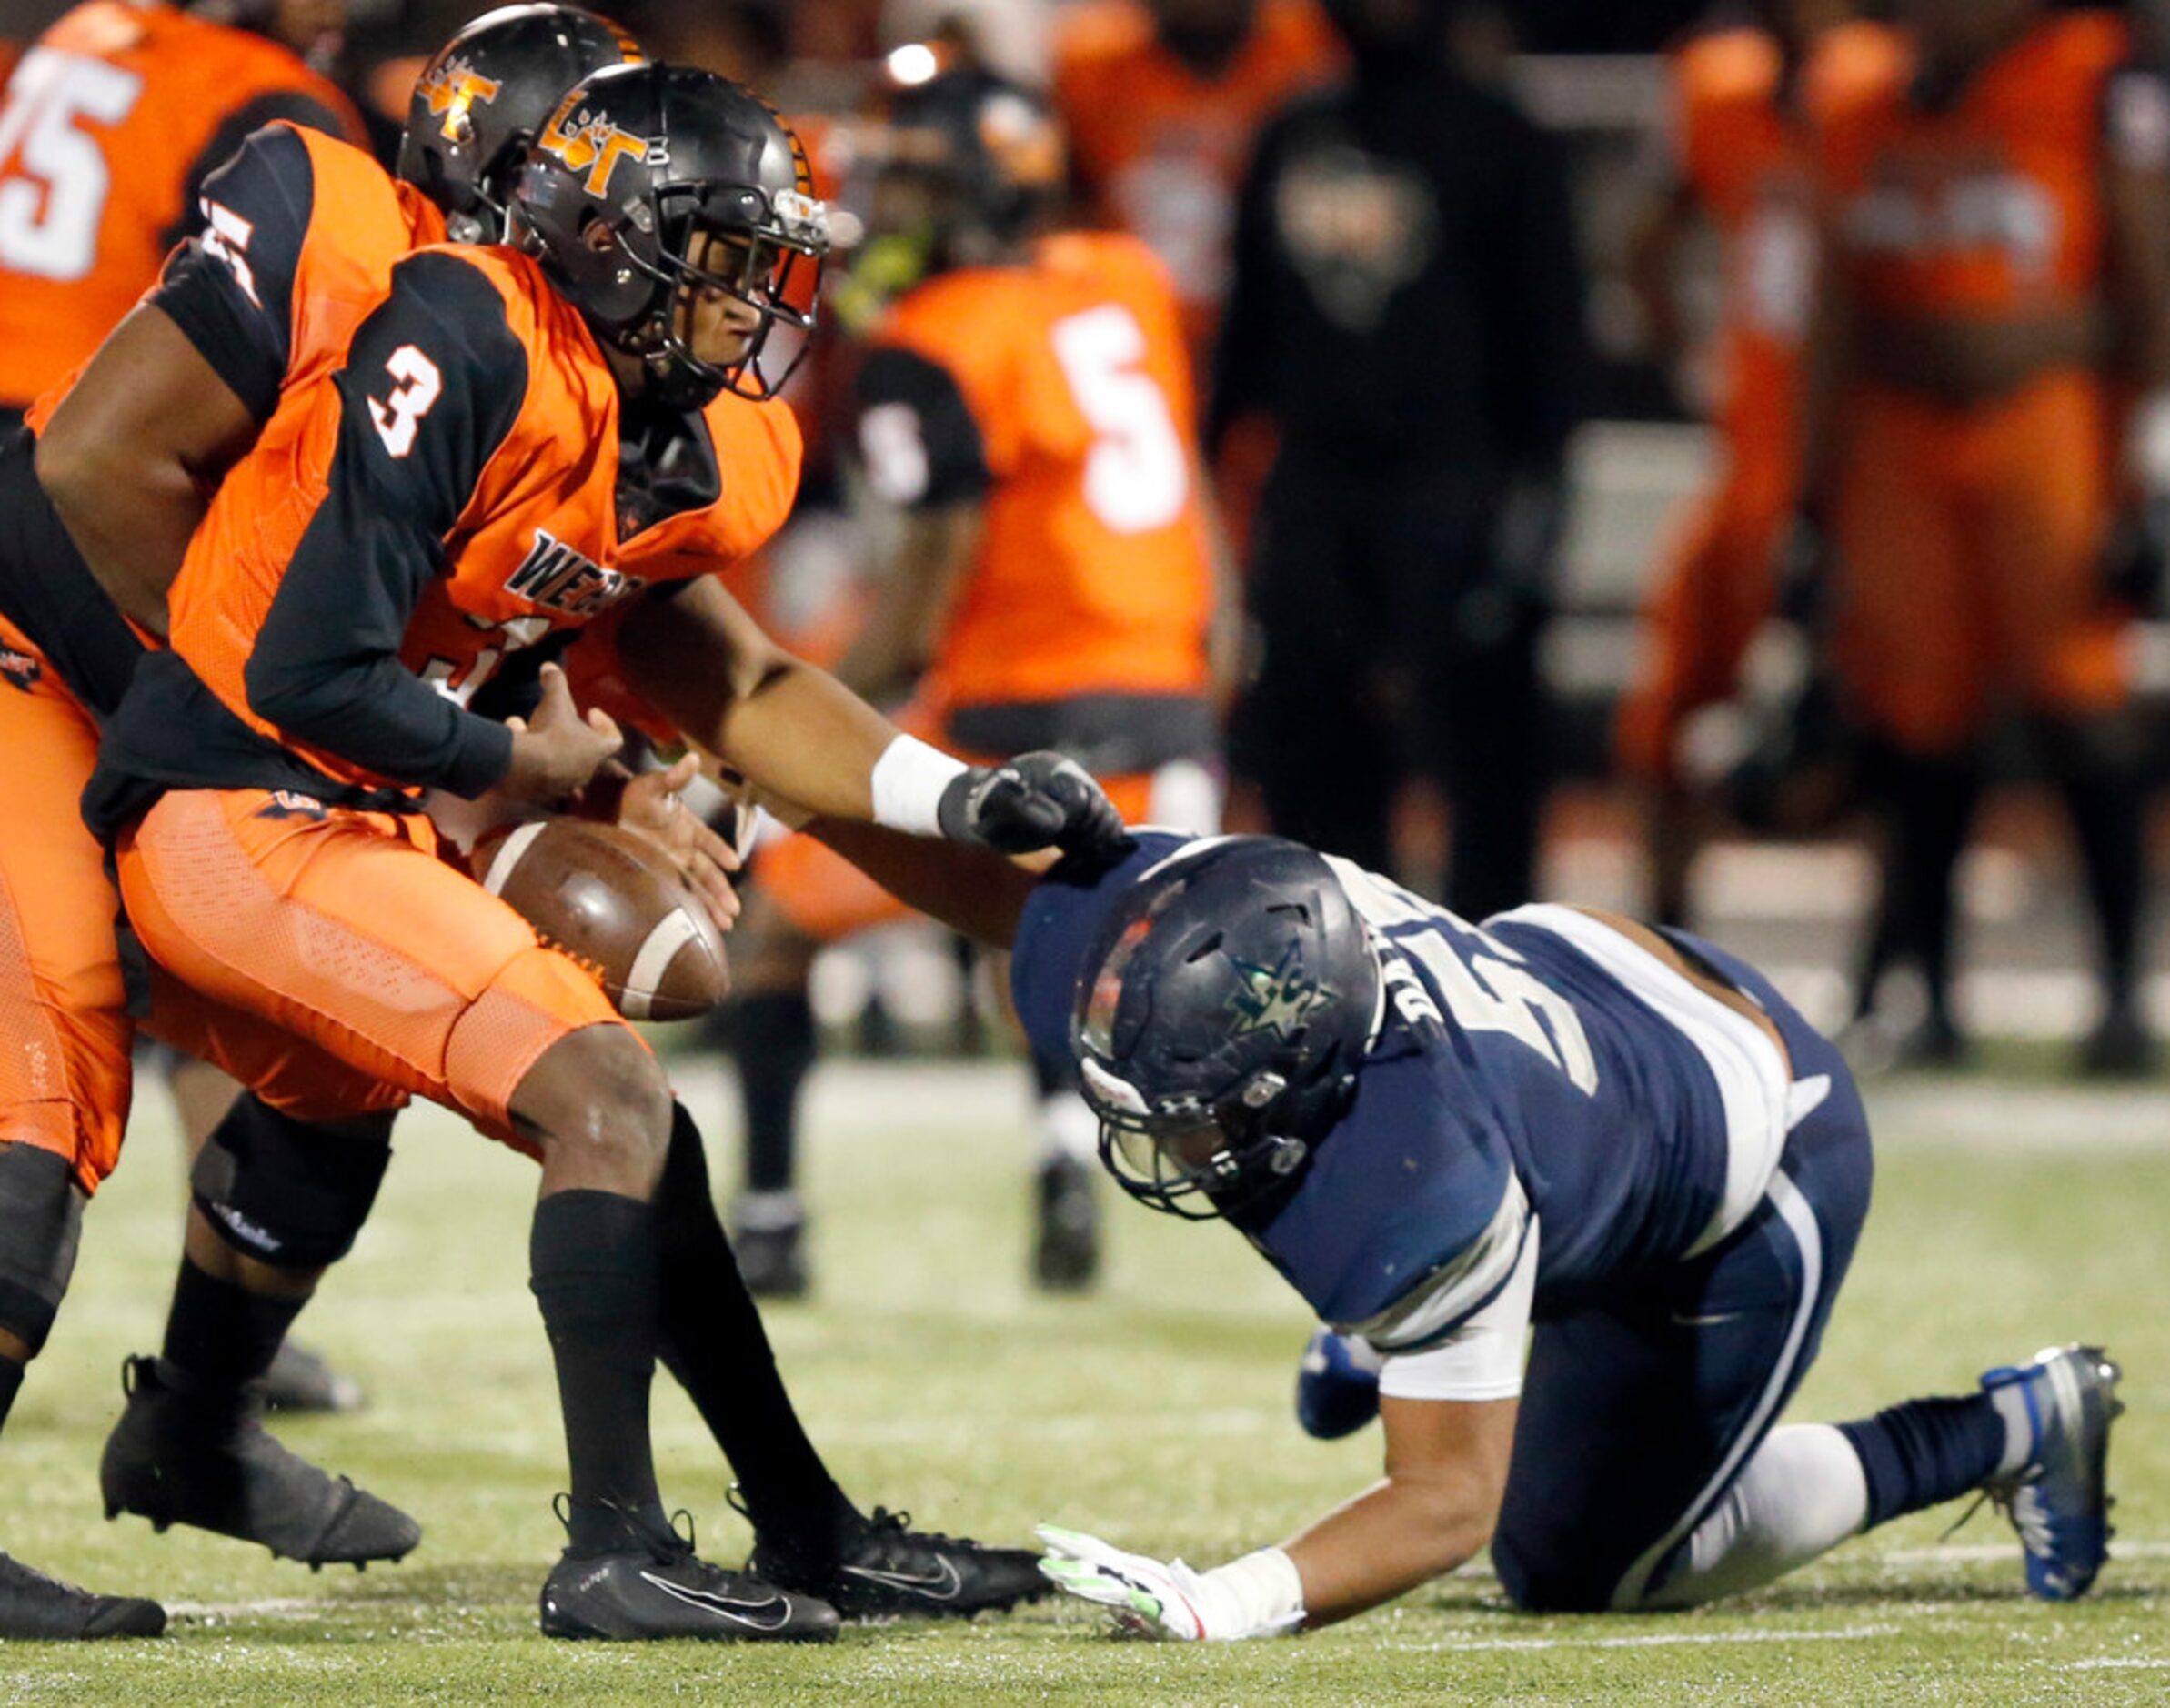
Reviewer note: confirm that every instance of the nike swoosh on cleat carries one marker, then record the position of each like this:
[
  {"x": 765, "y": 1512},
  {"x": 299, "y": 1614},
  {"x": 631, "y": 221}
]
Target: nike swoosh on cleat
[
  {"x": 943, "y": 1586},
  {"x": 771, "y": 1614}
]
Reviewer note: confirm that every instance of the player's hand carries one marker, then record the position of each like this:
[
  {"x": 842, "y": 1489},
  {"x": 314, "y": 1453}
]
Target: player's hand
[
  {"x": 653, "y": 808},
  {"x": 1147, "y": 1596},
  {"x": 1037, "y": 800},
  {"x": 556, "y": 751}
]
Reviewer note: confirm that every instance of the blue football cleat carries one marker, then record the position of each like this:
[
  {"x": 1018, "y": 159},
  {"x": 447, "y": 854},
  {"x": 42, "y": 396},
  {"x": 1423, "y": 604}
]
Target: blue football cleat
[
  {"x": 2058, "y": 1501},
  {"x": 1337, "y": 1387}
]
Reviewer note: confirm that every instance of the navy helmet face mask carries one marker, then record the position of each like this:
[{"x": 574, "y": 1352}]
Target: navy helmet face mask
[
  {"x": 483, "y": 97},
  {"x": 660, "y": 159},
  {"x": 1222, "y": 1017}
]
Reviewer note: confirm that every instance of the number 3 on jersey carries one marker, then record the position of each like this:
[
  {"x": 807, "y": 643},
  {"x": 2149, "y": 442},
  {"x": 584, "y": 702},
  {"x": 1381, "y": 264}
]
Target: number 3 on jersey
[
  {"x": 400, "y": 416},
  {"x": 1137, "y": 474}
]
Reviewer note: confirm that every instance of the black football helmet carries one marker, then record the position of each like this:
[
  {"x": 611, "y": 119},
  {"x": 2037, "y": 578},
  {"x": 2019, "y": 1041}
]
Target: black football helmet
[
  {"x": 659, "y": 157},
  {"x": 991, "y": 149},
  {"x": 483, "y": 97},
  {"x": 1223, "y": 1014}
]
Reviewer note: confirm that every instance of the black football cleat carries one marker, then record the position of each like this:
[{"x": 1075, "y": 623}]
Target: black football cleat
[
  {"x": 201, "y": 1457},
  {"x": 303, "y": 1379},
  {"x": 1066, "y": 1246},
  {"x": 769, "y": 1242},
  {"x": 886, "y": 1570},
  {"x": 660, "y": 1589},
  {"x": 34, "y": 1608}
]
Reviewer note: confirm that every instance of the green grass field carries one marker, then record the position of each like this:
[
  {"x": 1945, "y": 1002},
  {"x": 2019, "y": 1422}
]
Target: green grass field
[{"x": 2009, "y": 1214}]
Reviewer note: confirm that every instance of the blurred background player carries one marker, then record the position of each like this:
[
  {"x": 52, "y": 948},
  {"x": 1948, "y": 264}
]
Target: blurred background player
[
  {"x": 1743, "y": 95},
  {"x": 1161, "y": 101},
  {"x": 114, "y": 118},
  {"x": 1406, "y": 308},
  {"x": 1026, "y": 409},
  {"x": 1987, "y": 374}
]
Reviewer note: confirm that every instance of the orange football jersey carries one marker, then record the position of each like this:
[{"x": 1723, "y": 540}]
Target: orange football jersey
[
  {"x": 1745, "y": 149},
  {"x": 1988, "y": 206},
  {"x": 1159, "y": 150},
  {"x": 106, "y": 123},
  {"x": 1093, "y": 573},
  {"x": 515, "y": 484}
]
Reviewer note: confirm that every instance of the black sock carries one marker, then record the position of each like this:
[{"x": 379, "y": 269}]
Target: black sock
[
  {"x": 11, "y": 1384},
  {"x": 776, "y": 1053},
  {"x": 1051, "y": 1075},
  {"x": 2108, "y": 806},
  {"x": 1929, "y": 815},
  {"x": 1927, "y": 1452},
  {"x": 714, "y": 1343},
  {"x": 220, "y": 1334},
  {"x": 593, "y": 1262}
]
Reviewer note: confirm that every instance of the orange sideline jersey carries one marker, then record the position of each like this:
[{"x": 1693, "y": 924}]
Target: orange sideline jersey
[
  {"x": 451, "y": 494},
  {"x": 1159, "y": 150},
  {"x": 1056, "y": 392},
  {"x": 112, "y": 121},
  {"x": 1990, "y": 205},
  {"x": 1745, "y": 150}
]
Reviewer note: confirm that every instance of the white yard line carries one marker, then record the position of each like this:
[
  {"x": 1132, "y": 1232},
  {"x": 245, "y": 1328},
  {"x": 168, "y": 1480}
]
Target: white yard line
[{"x": 1666, "y": 1640}]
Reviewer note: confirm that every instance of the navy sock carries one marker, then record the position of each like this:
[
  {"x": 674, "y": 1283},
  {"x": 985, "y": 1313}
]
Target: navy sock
[{"x": 1927, "y": 1452}]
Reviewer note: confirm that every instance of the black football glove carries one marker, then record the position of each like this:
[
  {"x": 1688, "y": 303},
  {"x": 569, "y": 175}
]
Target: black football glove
[{"x": 1037, "y": 800}]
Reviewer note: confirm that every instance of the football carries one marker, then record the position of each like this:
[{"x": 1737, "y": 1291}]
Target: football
[{"x": 616, "y": 906}]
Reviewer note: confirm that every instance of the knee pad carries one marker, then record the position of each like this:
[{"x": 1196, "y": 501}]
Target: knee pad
[
  {"x": 41, "y": 1219},
  {"x": 283, "y": 1192}
]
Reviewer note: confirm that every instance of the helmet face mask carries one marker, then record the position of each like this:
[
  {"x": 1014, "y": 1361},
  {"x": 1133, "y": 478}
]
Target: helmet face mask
[
  {"x": 655, "y": 193},
  {"x": 1223, "y": 1016}
]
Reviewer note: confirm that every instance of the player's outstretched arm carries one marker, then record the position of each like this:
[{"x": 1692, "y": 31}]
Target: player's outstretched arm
[
  {"x": 796, "y": 733},
  {"x": 1435, "y": 1508}
]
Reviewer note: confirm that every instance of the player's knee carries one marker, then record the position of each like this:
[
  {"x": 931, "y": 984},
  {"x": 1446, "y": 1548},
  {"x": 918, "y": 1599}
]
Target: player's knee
[
  {"x": 599, "y": 1096},
  {"x": 41, "y": 1219},
  {"x": 284, "y": 1192},
  {"x": 1538, "y": 1580}
]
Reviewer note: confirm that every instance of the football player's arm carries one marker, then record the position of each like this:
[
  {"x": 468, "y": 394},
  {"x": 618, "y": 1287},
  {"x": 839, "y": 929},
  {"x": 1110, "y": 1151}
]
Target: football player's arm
[
  {"x": 2136, "y": 203},
  {"x": 433, "y": 384},
  {"x": 805, "y": 741},
  {"x": 180, "y": 390},
  {"x": 924, "y": 457}
]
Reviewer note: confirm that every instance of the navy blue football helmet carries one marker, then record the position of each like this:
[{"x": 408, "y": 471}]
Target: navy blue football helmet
[{"x": 1222, "y": 1018}]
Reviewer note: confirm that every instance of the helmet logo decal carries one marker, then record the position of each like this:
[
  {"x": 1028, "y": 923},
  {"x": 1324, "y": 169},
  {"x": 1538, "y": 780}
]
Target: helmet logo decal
[
  {"x": 451, "y": 89},
  {"x": 1282, "y": 996},
  {"x": 588, "y": 142}
]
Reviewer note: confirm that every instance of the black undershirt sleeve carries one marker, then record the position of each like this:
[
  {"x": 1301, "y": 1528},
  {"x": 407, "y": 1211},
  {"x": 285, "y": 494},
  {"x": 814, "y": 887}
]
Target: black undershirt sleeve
[
  {"x": 434, "y": 383},
  {"x": 230, "y": 288},
  {"x": 233, "y": 130},
  {"x": 921, "y": 446}
]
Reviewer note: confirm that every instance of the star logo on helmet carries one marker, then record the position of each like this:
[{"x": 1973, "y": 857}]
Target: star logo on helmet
[
  {"x": 1282, "y": 996},
  {"x": 452, "y": 89}
]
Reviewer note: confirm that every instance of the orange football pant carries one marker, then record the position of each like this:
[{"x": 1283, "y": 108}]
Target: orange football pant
[
  {"x": 66, "y": 1081},
  {"x": 345, "y": 929},
  {"x": 1971, "y": 546},
  {"x": 1703, "y": 612}
]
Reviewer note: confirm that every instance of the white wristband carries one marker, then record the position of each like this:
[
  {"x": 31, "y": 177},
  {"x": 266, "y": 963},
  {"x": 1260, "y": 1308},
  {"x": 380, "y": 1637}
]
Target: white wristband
[
  {"x": 907, "y": 781},
  {"x": 1260, "y": 1596}
]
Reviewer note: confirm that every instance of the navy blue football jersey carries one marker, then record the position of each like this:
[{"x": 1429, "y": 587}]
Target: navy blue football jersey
[{"x": 1517, "y": 1088}]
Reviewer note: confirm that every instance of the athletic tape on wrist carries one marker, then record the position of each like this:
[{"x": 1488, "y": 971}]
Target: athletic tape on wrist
[
  {"x": 1260, "y": 1596},
  {"x": 907, "y": 783}
]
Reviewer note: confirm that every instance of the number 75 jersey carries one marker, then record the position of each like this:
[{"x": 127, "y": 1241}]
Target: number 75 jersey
[{"x": 1056, "y": 394}]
